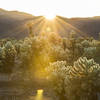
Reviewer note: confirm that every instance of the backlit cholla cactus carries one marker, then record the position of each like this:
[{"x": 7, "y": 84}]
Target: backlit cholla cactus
[
  {"x": 9, "y": 49},
  {"x": 57, "y": 53},
  {"x": 84, "y": 67},
  {"x": 90, "y": 52},
  {"x": 2, "y": 53},
  {"x": 58, "y": 71},
  {"x": 85, "y": 43},
  {"x": 84, "y": 75}
]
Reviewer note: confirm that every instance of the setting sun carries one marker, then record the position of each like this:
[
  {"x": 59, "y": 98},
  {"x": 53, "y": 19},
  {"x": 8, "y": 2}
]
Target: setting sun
[
  {"x": 50, "y": 16},
  {"x": 66, "y": 8}
]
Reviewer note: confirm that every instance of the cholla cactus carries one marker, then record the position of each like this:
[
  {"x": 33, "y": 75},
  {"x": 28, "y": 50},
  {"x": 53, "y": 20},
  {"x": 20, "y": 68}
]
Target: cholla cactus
[
  {"x": 58, "y": 71},
  {"x": 9, "y": 58},
  {"x": 57, "y": 53},
  {"x": 82, "y": 78},
  {"x": 84, "y": 67},
  {"x": 25, "y": 53},
  {"x": 2, "y": 53},
  {"x": 85, "y": 43},
  {"x": 9, "y": 49},
  {"x": 58, "y": 68},
  {"x": 74, "y": 81},
  {"x": 90, "y": 52}
]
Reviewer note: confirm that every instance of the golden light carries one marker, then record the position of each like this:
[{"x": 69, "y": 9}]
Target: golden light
[
  {"x": 39, "y": 95},
  {"x": 40, "y": 91},
  {"x": 50, "y": 16},
  {"x": 48, "y": 29}
]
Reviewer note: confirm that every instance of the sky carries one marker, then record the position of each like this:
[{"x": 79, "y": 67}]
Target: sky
[{"x": 66, "y": 8}]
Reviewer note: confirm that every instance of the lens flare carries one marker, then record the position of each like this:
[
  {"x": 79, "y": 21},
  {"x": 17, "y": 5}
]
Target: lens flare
[
  {"x": 39, "y": 95},
  {"x": 40, "y": 92}
]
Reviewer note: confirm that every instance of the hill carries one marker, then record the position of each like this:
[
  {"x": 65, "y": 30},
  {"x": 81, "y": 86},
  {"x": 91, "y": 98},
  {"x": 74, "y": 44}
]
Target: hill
[
  {"x": 89, "y": 26},
  {"x": 14, "y": 24}
]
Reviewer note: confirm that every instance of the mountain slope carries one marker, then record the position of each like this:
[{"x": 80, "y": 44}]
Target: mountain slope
[
  {"x": 90, "y": 26},
  {"x": 14, "y": 24}
]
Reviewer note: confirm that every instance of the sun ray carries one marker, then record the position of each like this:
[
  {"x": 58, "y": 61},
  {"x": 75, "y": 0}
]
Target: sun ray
[
  {"x": 55, "y": 26},
  {"x": 43, "y": 27},
  {"x": 18, "y": 30},
  {"x": 69, "y": 25},
  {"x": 38, "y": 27},
  {"x": 34, "y": 21},
  {"x": 60, "y": 29}
]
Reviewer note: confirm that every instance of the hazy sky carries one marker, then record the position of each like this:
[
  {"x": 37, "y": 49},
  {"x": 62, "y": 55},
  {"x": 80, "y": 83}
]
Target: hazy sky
[{"x": 67, "y": 8}]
